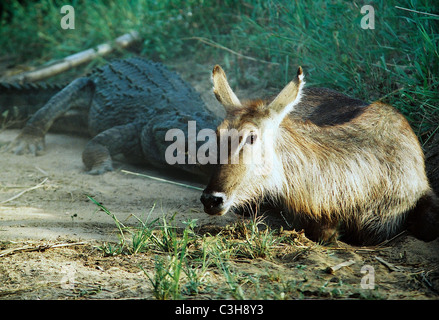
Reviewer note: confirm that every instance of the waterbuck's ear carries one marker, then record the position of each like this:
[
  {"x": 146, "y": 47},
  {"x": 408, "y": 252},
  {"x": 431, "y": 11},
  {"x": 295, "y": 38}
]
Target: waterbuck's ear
[
  {"x": 289, "y": 96},
  {"x": 222, "y": 90}
]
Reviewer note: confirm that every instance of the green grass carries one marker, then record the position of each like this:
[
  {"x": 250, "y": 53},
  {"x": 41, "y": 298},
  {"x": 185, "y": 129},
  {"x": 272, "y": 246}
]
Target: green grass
[
  {"x": 182, "y": 258},
  {"x": 397, "y": 62},
  {"x": 237, "y": 263}
]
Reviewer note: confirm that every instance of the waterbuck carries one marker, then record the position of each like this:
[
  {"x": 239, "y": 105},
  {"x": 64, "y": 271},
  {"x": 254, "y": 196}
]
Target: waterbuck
[{"x": 341, "y": 166}]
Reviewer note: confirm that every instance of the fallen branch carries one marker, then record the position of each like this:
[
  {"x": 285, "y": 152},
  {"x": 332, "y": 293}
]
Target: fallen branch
[
  {"x": 75, "y": 59},
  {"x": 24, "y": 191},
  {"x": 42, "y": 247}
]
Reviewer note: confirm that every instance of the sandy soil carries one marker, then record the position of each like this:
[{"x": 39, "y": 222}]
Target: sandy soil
[
  {"x": 60, "y": 207},
  {"x": 57, "y": 211}
]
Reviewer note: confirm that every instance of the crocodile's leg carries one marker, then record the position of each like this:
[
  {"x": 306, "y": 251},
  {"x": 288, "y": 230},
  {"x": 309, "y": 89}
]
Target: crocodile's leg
[
  {"x": 31, "y": 139},
  {"x": 120, "y": 139}
]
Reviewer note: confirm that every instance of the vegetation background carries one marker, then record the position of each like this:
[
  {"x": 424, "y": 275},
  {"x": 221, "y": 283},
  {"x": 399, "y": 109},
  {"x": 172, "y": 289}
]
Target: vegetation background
[{"x": 260, "y": 43}]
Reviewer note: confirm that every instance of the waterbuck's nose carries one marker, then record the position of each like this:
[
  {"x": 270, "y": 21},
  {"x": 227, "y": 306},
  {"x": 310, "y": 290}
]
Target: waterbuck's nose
[{"x": 213, "y": 202}]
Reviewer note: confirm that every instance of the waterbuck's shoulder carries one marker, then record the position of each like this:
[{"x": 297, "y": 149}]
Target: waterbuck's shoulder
[{"x": 326, "y": 107}]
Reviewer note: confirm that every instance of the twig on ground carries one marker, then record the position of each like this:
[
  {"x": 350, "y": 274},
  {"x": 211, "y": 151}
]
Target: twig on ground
[
  {"x": 386, "y": 242},
  {"x": 389, "y": 265},
  {"x": 41, "y": 247},
  {"x": 24, "y": 191},
  {"x": 163, "y": 180},
  {"x": 348, "y": 263}
]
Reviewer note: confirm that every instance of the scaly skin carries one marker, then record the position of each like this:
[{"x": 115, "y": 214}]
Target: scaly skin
[{"x": 128, "y": 106}]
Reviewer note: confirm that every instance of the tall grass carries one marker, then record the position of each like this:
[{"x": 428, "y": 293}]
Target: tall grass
[
  {"x": 397, "y": 62},
  {"x": 32, "y": 30}
]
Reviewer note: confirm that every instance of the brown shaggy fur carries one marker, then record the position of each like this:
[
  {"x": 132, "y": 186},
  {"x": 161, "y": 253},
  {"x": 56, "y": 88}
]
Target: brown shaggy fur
[{"x": 339, "y": 165}]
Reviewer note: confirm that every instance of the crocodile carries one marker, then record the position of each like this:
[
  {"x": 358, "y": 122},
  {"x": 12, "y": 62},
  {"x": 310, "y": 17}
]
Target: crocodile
[{"x": 125, "y": 106}]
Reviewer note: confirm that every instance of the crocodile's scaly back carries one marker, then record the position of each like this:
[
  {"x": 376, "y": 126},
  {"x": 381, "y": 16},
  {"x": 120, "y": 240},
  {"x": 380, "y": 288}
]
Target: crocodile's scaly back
[
  {"x": 145, "y": 90},
  {"x": 127, "y": 106}
]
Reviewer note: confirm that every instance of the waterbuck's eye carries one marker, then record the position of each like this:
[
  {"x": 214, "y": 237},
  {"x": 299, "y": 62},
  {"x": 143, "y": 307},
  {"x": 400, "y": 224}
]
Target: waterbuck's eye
[{"x": 251, "y": 138}]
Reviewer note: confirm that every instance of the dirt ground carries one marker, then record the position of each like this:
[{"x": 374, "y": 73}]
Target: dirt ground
[
  {"x": 43, "y": 201},
  {"x": 58, "y": 211}
]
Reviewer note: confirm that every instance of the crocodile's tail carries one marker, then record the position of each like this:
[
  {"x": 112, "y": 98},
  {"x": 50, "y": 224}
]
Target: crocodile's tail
[{"x": 19, "y": 101}]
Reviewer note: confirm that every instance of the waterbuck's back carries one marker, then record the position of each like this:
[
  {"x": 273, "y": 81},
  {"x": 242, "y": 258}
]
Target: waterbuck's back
[
  {"x": 324, "y": 107},
  {"x": 352, "y": 162}
]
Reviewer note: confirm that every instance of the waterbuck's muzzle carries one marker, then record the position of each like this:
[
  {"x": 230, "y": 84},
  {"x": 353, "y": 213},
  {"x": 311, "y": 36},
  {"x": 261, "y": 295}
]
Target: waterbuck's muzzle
[{"x": 214, "y": 203}]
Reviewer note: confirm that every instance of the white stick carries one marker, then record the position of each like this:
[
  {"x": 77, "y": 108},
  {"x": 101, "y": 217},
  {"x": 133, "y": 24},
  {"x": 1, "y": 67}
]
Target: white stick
[
  {"x": 24, "y": 191},
  {"x": 339, "y": 266},
  {"x": 37, "y": 248},
  {"x": 75, "y": 59},
  {"x": 163, "y": 180}
]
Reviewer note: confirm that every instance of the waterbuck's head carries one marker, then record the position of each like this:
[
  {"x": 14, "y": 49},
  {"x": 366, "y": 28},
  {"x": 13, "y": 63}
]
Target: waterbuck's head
[{"x": 248, "y": 166}]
